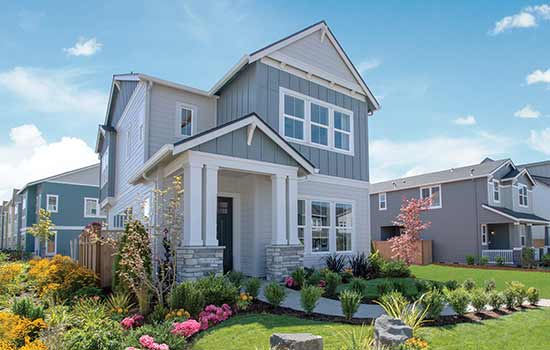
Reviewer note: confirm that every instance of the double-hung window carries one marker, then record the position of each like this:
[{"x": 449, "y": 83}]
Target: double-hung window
[
  {"x": 301, "y": 220},
  {"x": 320, "y": 226},
  {"x": 344, "y": 227},
  {"x": 382, "y": 201},
  {"x": 185, "y": 120},
  {"x": 433, "y": 192},
  {"x": 294, "y": 117},
  {"x": 522, "y": 189},
  {"x": 91, "y": 207},
  {"x": 52, "y": 203},
  {"x": 342, "y": 131},
  {"x": 319, "y": 124},
  {"x": 496, "y": 191},
  {"x": 484, "y": 234}
]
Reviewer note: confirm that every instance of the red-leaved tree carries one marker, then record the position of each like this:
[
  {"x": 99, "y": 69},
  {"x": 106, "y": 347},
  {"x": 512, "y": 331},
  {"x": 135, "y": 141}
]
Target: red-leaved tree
[{"x": 404, "y": 246}]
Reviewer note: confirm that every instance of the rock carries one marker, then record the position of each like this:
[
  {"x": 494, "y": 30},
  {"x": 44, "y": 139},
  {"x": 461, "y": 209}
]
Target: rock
[
  {"x": 390, "y": 331},
  {"x": 298, "y": 341}
]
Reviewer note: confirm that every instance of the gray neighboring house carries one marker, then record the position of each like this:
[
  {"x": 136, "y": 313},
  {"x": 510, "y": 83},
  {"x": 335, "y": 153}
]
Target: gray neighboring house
[
  {"x": 540, "y": 171},
  {"x": 487, "y": 209},
  {"x": 10, "y": 223},
  {"x": 274, "y": 158}
]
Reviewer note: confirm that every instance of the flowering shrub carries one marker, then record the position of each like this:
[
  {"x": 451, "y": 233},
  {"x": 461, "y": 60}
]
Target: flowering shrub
[
  {"x": 148, "y": 342},
  {"x": 244, "y": 301},
  {"x": 9, "y": 274},
  {"x": 131, "y": 322},
  {"x": 18, "y": 331},
  {"x": 289, "y": 282},
  {"x": 415, "y": 343},
  {"x": 186, "y": 329},
  {"x": 213, "y": 314},
  {"x": 322, "y": 284},
  {"x": 177, "y": 315}
]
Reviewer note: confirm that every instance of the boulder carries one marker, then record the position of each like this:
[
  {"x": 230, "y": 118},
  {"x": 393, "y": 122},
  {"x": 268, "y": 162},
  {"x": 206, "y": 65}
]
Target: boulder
[
  {"x": 298, "y": 341},
  {"x": 390, "y": 332}
]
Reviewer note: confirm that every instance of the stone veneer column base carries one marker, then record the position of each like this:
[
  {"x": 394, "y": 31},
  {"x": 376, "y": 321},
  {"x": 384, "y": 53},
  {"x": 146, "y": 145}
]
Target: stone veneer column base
[
  {"x": 196, "y": 262},
  {"x": 282, "y": 260}
]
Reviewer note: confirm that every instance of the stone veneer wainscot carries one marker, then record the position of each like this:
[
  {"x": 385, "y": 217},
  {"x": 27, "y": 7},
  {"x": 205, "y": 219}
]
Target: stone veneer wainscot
[
  {"x": 282, "y": 260},
  {"x": 195, "y": 262}
]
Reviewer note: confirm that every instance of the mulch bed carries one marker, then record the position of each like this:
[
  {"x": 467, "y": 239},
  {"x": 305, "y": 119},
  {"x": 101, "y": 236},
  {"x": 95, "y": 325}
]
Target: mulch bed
[{"x": 492, "y": 267}]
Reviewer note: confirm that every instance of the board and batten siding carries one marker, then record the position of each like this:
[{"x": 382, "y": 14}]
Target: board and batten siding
[
  {"x": 121, "y": 99},
  {"x": 257, "y": 89}
]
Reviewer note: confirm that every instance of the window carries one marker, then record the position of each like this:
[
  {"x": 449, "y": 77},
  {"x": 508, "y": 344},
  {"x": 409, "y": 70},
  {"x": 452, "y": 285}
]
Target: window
[
  {"x": 52, "y": 203},
  {"x": 433, "y": 192},
  {"x": 522, "y": 238},
  {"x": 496, "y": 191},
  {"x": 344, "y": 227},
  {"x": 294, "y": 114},
  {"x": 319, "y": 124},
  {"x": 320, "y": 226},
  {"x": 301, "y": 220},
  {"x": 342, "y": 131},
  {"x": 91, "y": 207},
  {"x": 51, "y": 245},
  {"x": 483, "y": 234},
  {"x": 522, "y": 195},
  {"x": 185, "y": 121},
  {"x": 147, "y": 207},
  {"x": 104, "y": 166},
  {"x": 382, "y": 203}
]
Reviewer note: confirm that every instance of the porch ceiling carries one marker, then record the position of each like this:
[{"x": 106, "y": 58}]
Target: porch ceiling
[{"x": 517, "y": 216}]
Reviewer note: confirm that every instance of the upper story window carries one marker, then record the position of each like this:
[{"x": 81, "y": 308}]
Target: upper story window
[
  {"x": 496, "y": 191},
  {"x": 433, "y": 192},
  {"x": 313, "y": 122},
  {"x": 91, "y": 207},
  {"x": 185, "y": 117},
  {"x": 104, "y": 166},
  {"x": 522, "y": 189},
  {"x": 52, "y": 203},
  {"x": 382, "y": 201}
]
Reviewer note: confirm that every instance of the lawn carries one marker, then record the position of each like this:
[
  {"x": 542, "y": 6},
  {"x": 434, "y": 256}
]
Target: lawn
[
  {"x": 540, "y": 280},
  {"x": 522, "y": 330}
]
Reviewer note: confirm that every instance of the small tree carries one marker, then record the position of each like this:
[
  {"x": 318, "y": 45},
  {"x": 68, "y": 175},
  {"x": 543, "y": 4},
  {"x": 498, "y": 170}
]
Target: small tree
[
  {"x": 404, "y": 246},
  {"x": 43, "y": 230}
]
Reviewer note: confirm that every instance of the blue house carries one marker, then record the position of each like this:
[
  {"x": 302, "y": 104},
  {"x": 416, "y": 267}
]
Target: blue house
[{"x": 72, "y": 198}]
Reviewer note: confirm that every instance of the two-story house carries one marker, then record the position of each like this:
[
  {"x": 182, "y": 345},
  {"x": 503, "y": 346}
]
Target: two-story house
[
  {"x": 485, "y": 209},
  {"x": 540, "y": 171},
  {"x": 9, "y": 223},
  {"x": 274, "y": 157},
  {"x": 72, "y": 198}
]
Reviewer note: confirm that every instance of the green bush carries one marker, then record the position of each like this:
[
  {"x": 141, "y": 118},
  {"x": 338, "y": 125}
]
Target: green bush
[
  {"x": 275, "y": 294},
  {"x": 235, "y": 277},
  {"x": 216, "y": 291},
  {"x": 358, "y": 285},
  {"x": 385, "y": 287},
  {"x": 333, "y": 280},
  {"x": 90, "y": 311},
  {"x": 375, "y": 262},
  {"x": 484, "y": 260},
  {"x": 470, "y": 259},
  {"x": 495, "y": 299},
  {"x": 499, "y": 260},
  {"x": 533, "y": 295},
  {"x": 490, "y": 285},
  {"x": 160, "y": 332},
  {"x": 299, "y": 277},
  {"x": 359, "y": 264},
  {"x": 434, "y": 302},
  {"x": 103, "y": 335},
  {"x": 397, "y": 306},
  {"x": 509, "y": 298},
  {"x": 309, "y": 296},
  {"x": 252, "y": 286},
  {"x": 469, "y": 284},
  {"x": 451, "y": 284},
  {"x": 314, "y": 278},
  {"x": 395, "y": 269},
  {"x": 157, "y": 316},
  {"x": 459, "y": 299},
  {"x": 478, "y": 299},
  {"x": 350, "y": 301},
  {"x": 527, "y": 257},
  {"x": 25, "y": 307},
  {"x": 187, "y": 296},
  {"x": 546, "y": 260},
  {"x": 519, "y": 292}
]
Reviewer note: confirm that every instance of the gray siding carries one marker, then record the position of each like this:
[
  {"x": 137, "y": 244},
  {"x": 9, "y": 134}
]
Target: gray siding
[
  {"x": 121, "y": 99},
  {"x": 238, "y": 97}
]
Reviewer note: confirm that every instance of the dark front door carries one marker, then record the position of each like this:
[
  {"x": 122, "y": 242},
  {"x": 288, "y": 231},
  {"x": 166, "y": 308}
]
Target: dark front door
[{"x": 225, "y": 231}]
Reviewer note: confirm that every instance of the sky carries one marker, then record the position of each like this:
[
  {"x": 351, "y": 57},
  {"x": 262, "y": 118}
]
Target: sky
[{"x": 457, "y": 81}]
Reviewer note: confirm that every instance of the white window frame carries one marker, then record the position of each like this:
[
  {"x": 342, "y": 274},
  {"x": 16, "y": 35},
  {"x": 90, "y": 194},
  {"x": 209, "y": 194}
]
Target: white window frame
[
  {"x": 522, "y": 235},
  {"x": 98, "y": 209},
  {"x": 304, "y": 226},
  {"x": 484, "y": 237},
  {"x": 48, "y": 196},
  {"x": 430, "y": 189},
  {"x": 352, "y": 228},
  {"x": 496, "y": 191},
  {"x": 54, "y": 245},
  {"x": 308, "y": 123},
  {"x": 193, "y": 109},
  {"x": 524, "y": 196},
  {"x": 342, "y": 131},
  {"x": 329, "y": 227},
  {"x": 380, "y": 201}
]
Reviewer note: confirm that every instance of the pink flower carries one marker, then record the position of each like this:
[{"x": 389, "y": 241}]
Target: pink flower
[
  {"x": 186, "y": 328},
  {"x": 322, "y": 283},
  {"x": 131, "y": 348},
  {"x": 127, "y": 323},
  {"x": 147, "y": 341},
  {"x": 289, "y": 282}
]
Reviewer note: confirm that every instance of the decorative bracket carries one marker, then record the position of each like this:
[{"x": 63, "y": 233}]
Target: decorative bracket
[{"x": 251, "y": 129}]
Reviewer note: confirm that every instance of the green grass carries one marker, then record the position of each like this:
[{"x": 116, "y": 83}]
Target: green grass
[
  {"x": 372, "y": 293},
  {"x": 522, "y": 330},
  {"x": 540, "y": 280}
]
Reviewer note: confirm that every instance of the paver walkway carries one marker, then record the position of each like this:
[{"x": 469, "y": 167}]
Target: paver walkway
[{"x": 332, "y": 307}]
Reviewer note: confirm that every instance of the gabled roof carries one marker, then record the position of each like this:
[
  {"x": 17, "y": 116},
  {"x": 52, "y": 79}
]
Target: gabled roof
[
  {"x": 55, "y": 177},
  {"x": 516, "y": 215},
  {"x": 542, "y": 179},
  {"x": 515, "y": 173}
]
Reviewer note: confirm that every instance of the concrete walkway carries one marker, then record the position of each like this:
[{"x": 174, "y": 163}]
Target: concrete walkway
[{"x": 332, "y": 307}]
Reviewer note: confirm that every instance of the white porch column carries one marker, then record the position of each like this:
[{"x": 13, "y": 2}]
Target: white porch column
[
  {"x": 192, "y": 204},
  {"x": 278, "y": 208},
  {"x": 211, "y": 205},
  {"x": 293, "y": 211}
]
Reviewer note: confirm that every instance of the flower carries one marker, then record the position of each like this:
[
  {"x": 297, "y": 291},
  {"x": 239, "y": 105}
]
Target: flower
[
  {"x": 146, "y": 340},
  {"x": 289, "y": 282},
  {"x": 134, "y": 321},
  {"x": 186, "y": 329},
  {"x": 322, "y": 283}
]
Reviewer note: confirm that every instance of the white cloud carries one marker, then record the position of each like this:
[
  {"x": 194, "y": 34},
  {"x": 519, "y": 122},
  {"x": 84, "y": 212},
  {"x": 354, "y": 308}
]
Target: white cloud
[
  {"x": 367, "y": 65},
  {"x": 526, "y": 18},
  {"x": 467, "y": 120},
  {"x": 54, "y": 91},
  {"x": 540, "y": 10},
  {"x": 393, "y": 159},
  {"x": 538, "y": 76},
  {"x": 28, "y": 157},
  {"x": 540, "y": 141},
  {"x": 84, "y": 47},
  {"x": 527, "y": 112}
]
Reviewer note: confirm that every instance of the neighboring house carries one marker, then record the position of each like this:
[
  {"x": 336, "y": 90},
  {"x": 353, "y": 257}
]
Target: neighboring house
[
  {"x": 274, "y": 157},
  {"x": 9, "y": 223},
  {"x": 484, "y": 209},
  {"x": 541, "y": 197},
  {"x": 72, "y": 198},
  {"x": 3, "y": 217}
]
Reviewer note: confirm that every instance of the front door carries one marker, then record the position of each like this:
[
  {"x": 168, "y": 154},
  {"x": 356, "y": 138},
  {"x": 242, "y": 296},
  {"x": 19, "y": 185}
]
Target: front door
[{"x": 225, "y": 231}]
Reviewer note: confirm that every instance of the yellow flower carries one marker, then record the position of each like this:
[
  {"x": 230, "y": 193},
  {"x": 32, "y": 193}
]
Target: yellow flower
[
  {"x": 119, "y": 310},
  {"x": 179, "y": 313}
]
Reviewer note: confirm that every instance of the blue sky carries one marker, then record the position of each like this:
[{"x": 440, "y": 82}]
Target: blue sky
[{"x": 457, "y": 81}]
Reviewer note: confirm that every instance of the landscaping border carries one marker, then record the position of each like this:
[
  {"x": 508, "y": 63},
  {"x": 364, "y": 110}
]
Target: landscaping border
[{"x": 488, "y": 267}]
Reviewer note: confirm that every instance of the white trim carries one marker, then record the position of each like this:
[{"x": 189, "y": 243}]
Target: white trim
[
  {"x": 520, "y": 196},
  {"x": 517, "y": 221},
  {"x": 430, "y": 188},
  {"x": 508, "y": 162},
  {"x": 522, "y": 172},
  {"x": 98, "y": 208},
  {"x": 496, "y": 190},
  {"x": 174, "y": 85},
  {"x": 160, "y": 155},
  {"x": 484, "y": 235},
  {"x": 236, "y": 227},
  {"x": 48, "y": 196},
  {"x": 234, "y": 70},
  {"x": 385, "y": 201},
  {"x": 334, "y": 180},
  {"x": 194, "y": 112}
]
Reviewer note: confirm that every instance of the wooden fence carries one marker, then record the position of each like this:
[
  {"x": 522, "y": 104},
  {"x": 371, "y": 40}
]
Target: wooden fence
[
  {"x": 96, "y": 256},
  {"x": 423, "y": 251}
]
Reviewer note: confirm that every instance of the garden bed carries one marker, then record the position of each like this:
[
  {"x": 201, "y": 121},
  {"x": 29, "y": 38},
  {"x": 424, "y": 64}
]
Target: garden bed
[{"x": 495, "y": 267}]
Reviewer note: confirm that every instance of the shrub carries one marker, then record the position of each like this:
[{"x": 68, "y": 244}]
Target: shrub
[
  {"x": 478, "y": 299},
  {"x": 161, "y": 334},
  {"x": 299, "y": 277},
  {"x": 533, "y": 296},
  {"x": 350, "y": 302},
  {"x": 186, "y": 329},
  {"x": 518, "y": 291},
  {"x": 235, "y": 277},
  {"x": 10, "y": 274},
  {"x": 451, "y": 284},
  {"x": 434, "y": 302},
  {"x": 252, "y": 286},
  {"x": 216, "y": 291},
  {"x": 104, "y": 335},
  {"x": 509, "y": 298},
  {"x": 358, "y": 285},
  {"x": 359, "y": 264},
  {"x": 158, "y": 315},
  {"x": 187, "y": 296},
  {"x": 495, "y": 300},
  {"x": 25, "y": 307},
  {"x": 309, "y": 296},
  {"x": 385, "y": 287},
  {"x": 119, "y": 303},
  {"x": 490, "y": 285},
  {"x": 315, "y": 278},
  {"x": 14, "y": 329},
  {"x": 134, "y": 321},
  {"x": 546, "y": 260},
  {"x": 333, "y": 281},
  {"x": 484, "y": 260},
  {"x": 375, "y": 262},
  {"x": 528, "y": 257},
  {"x": 458, "y": 299},
  {"x": 499, "y": 260},
  {"x": 357, "y": 338},
  {"x": 335, "y": 263},
  {"x": 397, "y": 306},
  {"x": 470, "y": 259},
  {"x": 275, "y": 294},
  {"x": 395, "y": 269},
  {"x": 213, "y": 314},
  {"x": 90, "y": 310},
  {"x": 469, "y": 284}
]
